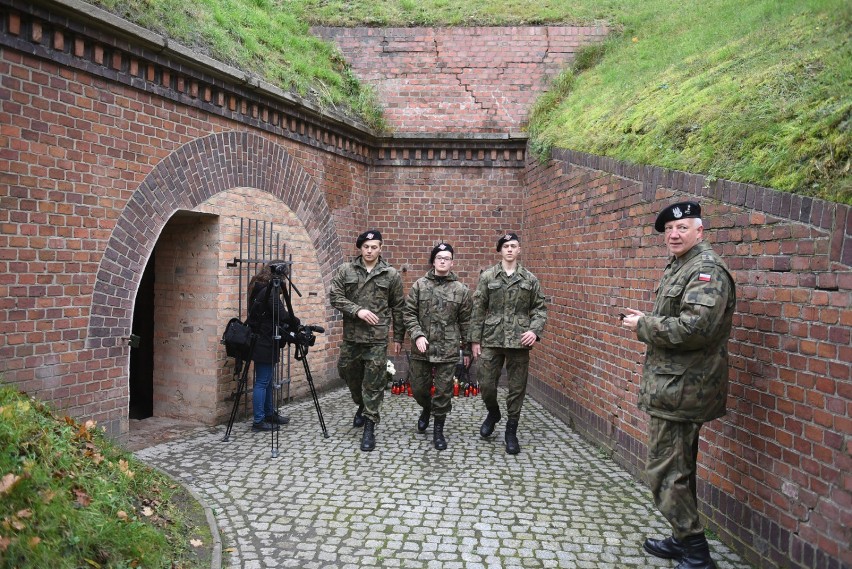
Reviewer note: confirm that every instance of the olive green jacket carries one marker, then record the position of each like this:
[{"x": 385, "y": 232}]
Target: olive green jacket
[
  {"x": 439, "y": 309},
  {"x": 504, "y": 307},
  {"x": 685, "y": 377},
  {"x": 380, "y": 291}
]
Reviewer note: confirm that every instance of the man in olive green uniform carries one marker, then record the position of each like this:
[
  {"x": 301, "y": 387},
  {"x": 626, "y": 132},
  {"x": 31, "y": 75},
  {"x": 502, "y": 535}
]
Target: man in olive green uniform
[
  {"x": 685, "y": 376},
  {"x": 368, "y": 292},
  {"x": 508, "y": 318},
  {"x": 436, "y": 315}
]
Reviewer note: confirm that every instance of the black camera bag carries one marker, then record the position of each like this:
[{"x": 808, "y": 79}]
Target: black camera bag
[{"x": 237, "y": 338}]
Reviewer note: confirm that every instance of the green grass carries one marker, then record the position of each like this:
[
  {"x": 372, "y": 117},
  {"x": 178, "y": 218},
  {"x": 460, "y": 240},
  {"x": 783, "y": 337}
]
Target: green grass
[
  {"x": 69, "y": 498},
  {"x": 264, "y": 37},
  {"x": 754, "y": 91}
]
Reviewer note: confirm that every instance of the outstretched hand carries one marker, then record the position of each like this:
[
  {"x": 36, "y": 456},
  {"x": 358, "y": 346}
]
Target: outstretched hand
[{"x": 631, "y": 318}]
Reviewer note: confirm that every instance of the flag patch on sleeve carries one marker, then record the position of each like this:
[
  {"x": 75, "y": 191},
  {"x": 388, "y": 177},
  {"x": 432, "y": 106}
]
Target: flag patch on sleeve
[{"x": 704, "y": 277}]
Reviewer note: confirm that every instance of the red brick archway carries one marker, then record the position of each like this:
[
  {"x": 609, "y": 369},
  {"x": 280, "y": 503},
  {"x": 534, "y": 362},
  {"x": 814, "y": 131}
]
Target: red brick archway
[{"x": 189, "y": 176}]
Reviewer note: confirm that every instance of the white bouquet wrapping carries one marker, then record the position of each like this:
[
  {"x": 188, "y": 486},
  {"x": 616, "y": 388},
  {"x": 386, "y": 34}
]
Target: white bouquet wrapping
[{"x": 390, "y": 371}]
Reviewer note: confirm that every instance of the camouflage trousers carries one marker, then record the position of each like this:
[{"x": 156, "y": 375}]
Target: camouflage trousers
[
  {"x": 517, "y": 361},
  {"x": 671, "y": 472},
  {"x": 421, "y": 380},
  {"x": 364, "y": 367}
]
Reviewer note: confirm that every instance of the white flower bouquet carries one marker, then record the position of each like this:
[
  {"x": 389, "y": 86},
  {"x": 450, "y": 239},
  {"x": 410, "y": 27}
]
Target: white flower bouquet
[{"x": 390, "y": 371}]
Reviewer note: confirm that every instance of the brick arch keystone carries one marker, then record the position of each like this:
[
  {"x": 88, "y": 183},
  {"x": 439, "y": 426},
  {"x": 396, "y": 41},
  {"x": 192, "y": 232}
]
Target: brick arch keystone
[{"x": 186, "y": 178}]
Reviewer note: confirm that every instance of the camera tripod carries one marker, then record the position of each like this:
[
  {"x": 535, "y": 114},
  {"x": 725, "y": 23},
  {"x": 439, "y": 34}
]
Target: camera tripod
[{"x": 288, "y": 331}]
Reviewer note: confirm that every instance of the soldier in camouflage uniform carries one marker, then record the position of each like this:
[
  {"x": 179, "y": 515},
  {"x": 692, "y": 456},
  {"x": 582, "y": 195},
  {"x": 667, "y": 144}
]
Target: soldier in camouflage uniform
[
  {"x": 368, "y": 292},
  {"x": 436, "y": 315},
  {"x": 685, "y": 376},
  {"x": 508, "y": 318}
]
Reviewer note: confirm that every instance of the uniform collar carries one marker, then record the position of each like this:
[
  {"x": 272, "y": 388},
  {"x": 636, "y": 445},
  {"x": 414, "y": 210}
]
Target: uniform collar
[
  {"x": 451, "y": 276},
  {"x": 696, "y": 250},
  {"x": 380, "y": 263},
  {"x": 519, "y": 271}
]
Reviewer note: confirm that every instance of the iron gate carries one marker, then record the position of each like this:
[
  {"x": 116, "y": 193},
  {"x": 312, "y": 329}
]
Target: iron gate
[{"x": 261, "y": 242}]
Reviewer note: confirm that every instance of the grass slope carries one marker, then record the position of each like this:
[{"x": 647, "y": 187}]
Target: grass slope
[
  {"x": 754, "y": 91},
  {"x": 69, "y": 499}
]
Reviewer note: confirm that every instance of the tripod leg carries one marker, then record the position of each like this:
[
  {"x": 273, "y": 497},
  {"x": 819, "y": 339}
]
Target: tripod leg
[
  {"x": 241, "y": 387},
  {"x": 310, "y": 378},
  {"x": 272, "y": 388}
]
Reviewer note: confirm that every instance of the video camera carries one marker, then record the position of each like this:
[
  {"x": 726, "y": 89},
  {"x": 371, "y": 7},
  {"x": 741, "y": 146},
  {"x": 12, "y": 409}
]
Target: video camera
[
  {"x": 280, "y": 269},
  {"x": 302, "y": 335}
]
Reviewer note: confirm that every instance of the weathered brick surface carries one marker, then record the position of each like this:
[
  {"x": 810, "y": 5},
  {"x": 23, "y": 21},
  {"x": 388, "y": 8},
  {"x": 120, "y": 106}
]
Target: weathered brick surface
[
  {"x": 772, "y": 470},
  {"x": 92, "y": 174},
  {"x": 416, "y": 208},
  {"x": 476, "y": 79},
  {"x": 109, "y": 152}
]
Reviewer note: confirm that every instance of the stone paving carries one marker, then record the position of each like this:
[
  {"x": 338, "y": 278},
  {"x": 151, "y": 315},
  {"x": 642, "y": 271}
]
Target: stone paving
[{"x": 322, "y": 503}]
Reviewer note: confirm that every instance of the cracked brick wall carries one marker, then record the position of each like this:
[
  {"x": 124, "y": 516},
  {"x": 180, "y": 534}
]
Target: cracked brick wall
[{"x": 460, "y": 80}]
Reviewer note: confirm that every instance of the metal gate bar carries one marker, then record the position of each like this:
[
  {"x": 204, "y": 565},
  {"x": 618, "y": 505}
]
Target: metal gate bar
[{"x": 259, "y": 243}]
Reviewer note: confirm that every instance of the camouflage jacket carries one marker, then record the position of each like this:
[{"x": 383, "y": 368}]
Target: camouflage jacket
[
  {"x": 438, "y": 308},
  {"x": 685, "y": 377},
  {"x": 504, "y": 307},
  {"x": 379, "y": 291}
]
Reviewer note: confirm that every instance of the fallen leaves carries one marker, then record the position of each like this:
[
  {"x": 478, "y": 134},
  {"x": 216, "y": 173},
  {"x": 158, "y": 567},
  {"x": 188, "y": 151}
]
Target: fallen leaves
[
  {"x": 92, "y": 453},
  {"x": 8, "y": 482},
  {"x": 124, "y": 467},
  {"x": 81, "y": 498},
  {"x": 17, "y": 520},
  {"x": 196, "y": 542},
  {"x": 66, "y": 481}
]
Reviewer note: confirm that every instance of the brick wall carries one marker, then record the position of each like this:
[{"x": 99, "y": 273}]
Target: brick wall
[
  {"x": 774, "y": 471},
  {"x": 470, "y": 208},
  {"x": 476, "y": 79},
  {"x": 106, "y": 145},
  {"x": 93, "y": 169}
]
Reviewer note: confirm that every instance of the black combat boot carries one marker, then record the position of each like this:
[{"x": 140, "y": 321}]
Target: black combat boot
[
  {"x": 368, "y": 440},
  {"x": 358, "y": 421},
  {"x": 512, "y": 444},
  {"x": 669, "y": 548},
  {"x": 696, "y": 553},
  {"x": 423, "y": 421},
  {"x": 438, "y": 434},
  {"x": 488, "y": 424}
]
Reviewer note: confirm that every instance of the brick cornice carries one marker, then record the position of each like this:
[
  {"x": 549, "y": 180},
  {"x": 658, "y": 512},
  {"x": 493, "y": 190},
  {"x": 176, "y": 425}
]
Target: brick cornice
[
  {"x": 81, "y": 36},
  {"x": 833, "y": 218}
]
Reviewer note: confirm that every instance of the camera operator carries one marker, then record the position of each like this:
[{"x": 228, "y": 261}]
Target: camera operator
[{"x": 265, "y": 311}]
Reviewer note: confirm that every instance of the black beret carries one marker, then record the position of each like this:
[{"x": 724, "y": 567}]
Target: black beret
[
  {"x": 506, "y": 238},
  {"x": 372, "y": 235},
  {"x": 678, "y": 210},
  {"x": 438, "y": 248}
]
